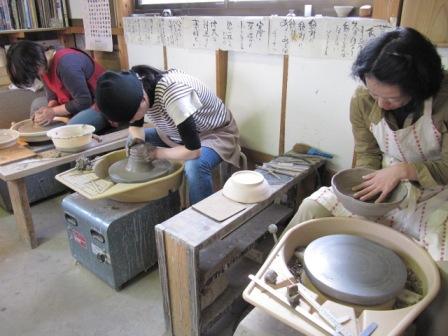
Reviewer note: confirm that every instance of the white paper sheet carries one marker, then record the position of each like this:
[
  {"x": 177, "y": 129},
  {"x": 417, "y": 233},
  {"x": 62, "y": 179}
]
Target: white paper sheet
[
  {"x": 301, "y": 36},
  {"x": 97, "y": 25}
]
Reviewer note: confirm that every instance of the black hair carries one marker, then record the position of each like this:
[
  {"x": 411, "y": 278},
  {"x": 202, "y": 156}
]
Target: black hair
[
  {"x": 149, "y": 77},
  {"x": 23, "y": 61},
  {"x": 402, "y": 57}
]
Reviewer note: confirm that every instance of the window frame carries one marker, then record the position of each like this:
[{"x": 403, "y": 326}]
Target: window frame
[{"x": 248, "y": 8}]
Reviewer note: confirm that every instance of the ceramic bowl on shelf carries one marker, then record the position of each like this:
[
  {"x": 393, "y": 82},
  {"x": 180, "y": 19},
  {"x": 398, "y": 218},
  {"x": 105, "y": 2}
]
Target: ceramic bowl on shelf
[
  {"x": 71, "y": 138},
  {"x": 8, "y": 138},
  {"x": 246, "y": 186},
  {"x": 343, "y": 183},
  {"x": 343, "y": 11}
]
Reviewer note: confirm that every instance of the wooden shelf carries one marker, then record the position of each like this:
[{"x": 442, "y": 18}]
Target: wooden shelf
[
  {"x": 20, "y": 33},
  {"x": 80, "y": 30}
]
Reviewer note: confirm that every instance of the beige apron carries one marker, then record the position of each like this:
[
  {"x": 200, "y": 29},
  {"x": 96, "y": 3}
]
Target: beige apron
[
  {"x": 423, "y": 215},
  {"x": 223, "y": 140}
]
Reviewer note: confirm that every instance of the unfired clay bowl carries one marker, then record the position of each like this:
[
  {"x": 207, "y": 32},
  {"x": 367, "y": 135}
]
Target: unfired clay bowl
[
  {"x": 32, "y": 132},
  {"x": 8, "y": 138},
  {"x": 345, "y": 180},
  {"x": 246, "y": 186}
]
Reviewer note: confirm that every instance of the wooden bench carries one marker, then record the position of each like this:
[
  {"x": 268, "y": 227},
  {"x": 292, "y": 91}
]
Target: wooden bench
[
  {"x": 195, "y": 252},
  {"x": 15, "y": 173}
]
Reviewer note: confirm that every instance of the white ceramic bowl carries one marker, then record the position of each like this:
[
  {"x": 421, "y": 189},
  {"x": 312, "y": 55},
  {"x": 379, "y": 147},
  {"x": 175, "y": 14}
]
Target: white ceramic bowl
[
  {"x": 246, "y": 186},
  {"x": 8, "y": 138},
  {"x": 342, "y": 11},
  {"x": 71, "y": 138},
  {"x": 342, "y": 184}
]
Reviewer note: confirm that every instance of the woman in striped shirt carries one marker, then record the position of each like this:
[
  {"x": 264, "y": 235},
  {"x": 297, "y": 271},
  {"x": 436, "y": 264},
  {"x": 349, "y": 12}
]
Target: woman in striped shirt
[{"x": 191, "y": 122}]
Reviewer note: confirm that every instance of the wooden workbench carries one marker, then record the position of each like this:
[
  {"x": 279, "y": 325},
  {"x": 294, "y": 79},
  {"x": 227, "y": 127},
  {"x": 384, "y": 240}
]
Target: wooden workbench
[
  {"x": 15, "y": 173},
  {"x": 194, "y": 251}
]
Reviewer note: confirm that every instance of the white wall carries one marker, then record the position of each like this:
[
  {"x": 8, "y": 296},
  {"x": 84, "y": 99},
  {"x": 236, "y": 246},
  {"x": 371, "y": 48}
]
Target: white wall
[
  {"x": 319, "y": 92},
  {"x": 149, "y": 55},
  {"x": 198, "y": 63},
  {"x": 254, "y": 96},
  {"x": 75, "y": 9}
]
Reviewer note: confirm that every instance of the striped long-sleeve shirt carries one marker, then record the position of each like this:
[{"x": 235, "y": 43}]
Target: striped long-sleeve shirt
[{"x": 178, "y": 96}]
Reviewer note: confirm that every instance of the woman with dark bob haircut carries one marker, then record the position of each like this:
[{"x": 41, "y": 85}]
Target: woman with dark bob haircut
[
  {"x": 399, "y": 120},
  {"x": 69, "y": 76}
]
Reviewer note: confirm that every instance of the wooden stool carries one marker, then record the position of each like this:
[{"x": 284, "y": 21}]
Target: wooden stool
[
  {"x": 226, "y": 170},
  {"x": 220, "y": 175}
]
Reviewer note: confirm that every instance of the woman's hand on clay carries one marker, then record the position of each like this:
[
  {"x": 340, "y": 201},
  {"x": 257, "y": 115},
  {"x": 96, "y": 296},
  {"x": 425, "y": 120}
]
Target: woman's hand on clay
[
  {"x": 380, "y": 182},
  {"x": 44, "y": 116},
  {"x": 142, "y": 149}
]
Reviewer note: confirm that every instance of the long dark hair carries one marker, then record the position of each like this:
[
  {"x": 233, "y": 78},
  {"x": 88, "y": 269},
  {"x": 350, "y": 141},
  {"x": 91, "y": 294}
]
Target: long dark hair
[
  {"x": 402, "y": 57},
  {"x": 149, "y": 77},
  {"x": 23, "y": 61}
]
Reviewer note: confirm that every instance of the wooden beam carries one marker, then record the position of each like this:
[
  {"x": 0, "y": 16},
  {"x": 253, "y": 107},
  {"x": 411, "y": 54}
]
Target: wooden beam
[
  {"x": 123, "y": 8},
  {"x": 123, "y": 52},
  {"x": 429, "y": 17},
  {"x": 22, "y": 211},
  {"x": 221, "y": 60},
  {"x": 80, "y": 30},
  {"x": 281, "y": 141},
  {"x": 385, "y": 9}
]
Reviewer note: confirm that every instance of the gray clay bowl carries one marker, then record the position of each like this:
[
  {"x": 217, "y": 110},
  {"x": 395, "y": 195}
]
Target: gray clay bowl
[{"x": 345, "y": 180}]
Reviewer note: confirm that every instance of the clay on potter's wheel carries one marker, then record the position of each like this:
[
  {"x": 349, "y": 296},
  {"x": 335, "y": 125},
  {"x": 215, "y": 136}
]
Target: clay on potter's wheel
[
  {"x": 354, "y": 269},
  {"x": 31, "y": 127},
  {"x": 136, "y": 169}
]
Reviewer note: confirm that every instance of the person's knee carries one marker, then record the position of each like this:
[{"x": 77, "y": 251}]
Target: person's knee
[{"x": 308, "y": 209}]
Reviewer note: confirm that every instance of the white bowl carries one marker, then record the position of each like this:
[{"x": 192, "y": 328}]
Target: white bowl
[
  {"x": 8, "y": 138},
  {"x": 246, "y": 186},
  {"x": 342, "y": 11},
  {"x": 71, "y": 138}
]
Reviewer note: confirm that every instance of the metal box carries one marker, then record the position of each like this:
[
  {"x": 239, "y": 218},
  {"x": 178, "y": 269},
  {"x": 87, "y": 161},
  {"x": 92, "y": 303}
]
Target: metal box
[{"x": 115, "y": 240}]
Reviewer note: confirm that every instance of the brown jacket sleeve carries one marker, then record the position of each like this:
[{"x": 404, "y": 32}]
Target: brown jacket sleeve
[{"x": 367, "y": 151}]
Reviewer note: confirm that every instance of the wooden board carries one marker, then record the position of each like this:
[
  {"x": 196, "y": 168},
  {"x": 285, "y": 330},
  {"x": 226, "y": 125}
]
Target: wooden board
[
  {"x": 15, "y": 153},
  {"x": 219, "y": 207},
  {"x": 429, "y": 17}
]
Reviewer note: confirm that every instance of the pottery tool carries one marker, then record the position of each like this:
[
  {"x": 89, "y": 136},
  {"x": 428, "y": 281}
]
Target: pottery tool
[
  {"x": 269, "y": 171},
  {"x": 276, "y": 171},
  {"x": 306, "y": 149},
  {"x": 97, "y": 138},
  {"x": 298, "y": 309},
  {"x": 323, "y": 312},
  {"x": 369, "y": 329},
  {"x": 280, "y": 166}
]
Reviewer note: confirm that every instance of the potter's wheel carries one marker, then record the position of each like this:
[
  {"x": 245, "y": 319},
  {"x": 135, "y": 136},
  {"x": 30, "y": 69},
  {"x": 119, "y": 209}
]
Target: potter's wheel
[
  {"x": 354, "y": 269},
  {"x": 32, "y": 132},
  {"x": 135, "y": 169}
]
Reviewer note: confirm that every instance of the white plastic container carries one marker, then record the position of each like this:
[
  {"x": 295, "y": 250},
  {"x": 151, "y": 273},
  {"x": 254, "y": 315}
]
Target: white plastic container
[{"x": 71, "y": 138}]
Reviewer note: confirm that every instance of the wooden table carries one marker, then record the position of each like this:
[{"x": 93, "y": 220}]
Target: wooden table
[
  {"x": 194, "y": 251},
  {"x": 15, "y": 173}
]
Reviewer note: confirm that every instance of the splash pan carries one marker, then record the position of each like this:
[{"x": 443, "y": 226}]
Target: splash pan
[
  {"x": 308, "y": 314},
  {"x": 97, "y": 184}
]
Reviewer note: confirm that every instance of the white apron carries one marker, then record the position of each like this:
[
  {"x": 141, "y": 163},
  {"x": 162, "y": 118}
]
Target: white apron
[{"x": 423, "y": 215}]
